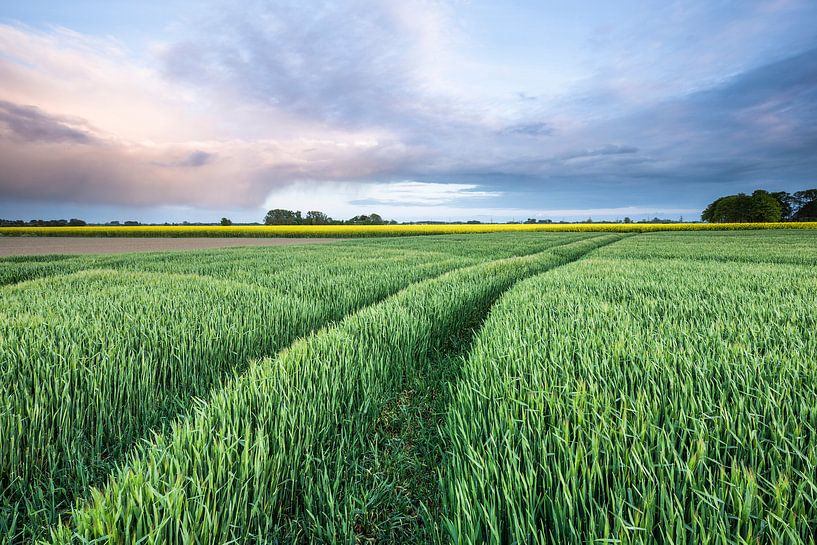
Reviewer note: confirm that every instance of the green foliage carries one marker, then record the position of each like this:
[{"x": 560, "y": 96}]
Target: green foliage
[
  {"x": 280, "y": 216},
  {"x": 640, "y": 400},
  {"x": 659, "y": 390},
  {"x": 795, "y": 247},
  {"x": 270, "y": 451},
  {"x": 105, "y": 350},
  {"x": 371, "y": 219},
  {"x": 226, "y": 222},
  {"x": 760, "y": 207},
  {"x": 807, "y": 212},
  {"x": 787, "y": 203},
  {"x": 315, "y": 217}
]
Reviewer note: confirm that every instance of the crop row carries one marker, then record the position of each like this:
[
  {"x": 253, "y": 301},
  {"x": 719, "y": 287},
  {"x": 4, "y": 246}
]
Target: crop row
[
  {"x": 379, "y": 230},
  {"x": 265, "y": 458},
  {"x": 331, "y": 264},
  {"x": 796, "y": 247},
  {"x": 91, "y": 361},
  {"x": 640, "y": 401}
]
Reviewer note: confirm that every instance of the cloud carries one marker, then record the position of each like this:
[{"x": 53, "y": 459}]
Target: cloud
[
  {"x": 106, "y": 129},
  {"x": 368, "y": 94},
  {"x": 609, "y": 149},
  {"x": 29, "y": 123},
  {"x": 413, "y": 200},
  {"x": 529, "y": 129},
  {"x": 197, "y": 158},
  {"x": 762, "y": 122},
  {"x": 413, "y": 193},
  {"x": 349, "y": 64}
]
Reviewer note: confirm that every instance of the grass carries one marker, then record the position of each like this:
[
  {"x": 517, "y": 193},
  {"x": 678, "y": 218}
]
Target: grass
[
  {"x": 92, "y": 361},
  {"x": 353, "y": 262},
  {"x": 653, "y": 388},
  {"x": 641, "y": 400},
  {"x": 795, "y": 247},
  {"x": 392, "y": 492},
  {"x": 271, "y": 450}
]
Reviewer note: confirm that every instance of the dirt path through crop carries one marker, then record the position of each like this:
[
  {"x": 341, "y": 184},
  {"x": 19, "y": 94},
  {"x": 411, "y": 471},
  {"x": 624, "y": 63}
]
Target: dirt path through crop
[{"x": 10, "y": 246}]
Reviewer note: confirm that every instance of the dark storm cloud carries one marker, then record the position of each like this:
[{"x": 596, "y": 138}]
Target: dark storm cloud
[
  {"x": 348, "y": 65},
  {"x": 756, "y": 128},
  {"x": 761, "y": 122},
  {"x": 29, "y": 123}
]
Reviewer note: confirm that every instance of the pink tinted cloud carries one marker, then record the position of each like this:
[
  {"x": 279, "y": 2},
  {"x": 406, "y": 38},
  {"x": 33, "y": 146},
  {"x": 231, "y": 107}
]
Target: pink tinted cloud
[{"x": 82, "y": 121}]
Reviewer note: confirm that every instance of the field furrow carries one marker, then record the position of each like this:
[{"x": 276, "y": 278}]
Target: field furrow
[
  {"x": 94, "y": 360},
  {"x": 266, "y": 459},
  {"x": 658, "y": 390}
]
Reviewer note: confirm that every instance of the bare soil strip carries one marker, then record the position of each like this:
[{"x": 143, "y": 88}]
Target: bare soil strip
[{"x": 11, "y": 246}]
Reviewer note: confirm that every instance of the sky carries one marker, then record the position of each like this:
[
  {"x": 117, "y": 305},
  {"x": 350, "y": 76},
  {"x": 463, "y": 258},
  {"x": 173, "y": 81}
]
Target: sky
[{"x": 447, "y": 110}]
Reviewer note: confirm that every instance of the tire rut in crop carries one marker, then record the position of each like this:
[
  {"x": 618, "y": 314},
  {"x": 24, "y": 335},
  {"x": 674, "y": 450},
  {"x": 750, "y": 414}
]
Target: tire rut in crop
[
  {"x": 270, "y": 450},
  {"x": 25, "y": 508},
  {"x": 393, "y": 495},
  {"x": 20, "y": 509},
  {"x": 393, "y": 489}
]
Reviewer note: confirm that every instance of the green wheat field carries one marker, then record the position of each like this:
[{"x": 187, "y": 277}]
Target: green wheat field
[{"x": 503, "y": 388}]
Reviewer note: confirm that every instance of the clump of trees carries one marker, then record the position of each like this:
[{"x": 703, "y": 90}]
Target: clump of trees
[
  {"x": 371, "y": 219},
  {"x": 280, "y": 216},
  {"x": 762, "y": 206},
  {"x": 799, "y": 206},
  {"x": 73, "y": 222}
]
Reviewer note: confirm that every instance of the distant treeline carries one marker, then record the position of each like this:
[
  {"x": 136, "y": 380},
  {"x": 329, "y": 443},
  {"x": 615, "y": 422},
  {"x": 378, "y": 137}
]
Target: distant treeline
[
  {"x": 760, "y": 207},
  {"x": 313, "y": 217},
  {"x": 280, "y": 216},
  {"x": 73, "y": 222},
  {"x": 763, "y": 206}
]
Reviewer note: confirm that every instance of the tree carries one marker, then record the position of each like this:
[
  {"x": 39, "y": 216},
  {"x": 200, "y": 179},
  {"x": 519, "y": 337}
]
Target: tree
[
  {"x": 792, "y": 205},
  {"x": 226, "y": 221},
  {"x": 627, "y": 220},
  {"x": 371, "y": 219},
  {"x": 760, "y": 207},
  {"x": 765, "y": 208},
  {"x": 805, "y": 203},
  {"x": 314, "y": 217},
  {"x": 729, "y": 209},
  {"x": 802, "y": 198},
  {"x": 280, "y": 216},
  {"x": 807, "y": 212},
  {"x": 787, "y": 203},
  {"x": 74, "y": 222}
]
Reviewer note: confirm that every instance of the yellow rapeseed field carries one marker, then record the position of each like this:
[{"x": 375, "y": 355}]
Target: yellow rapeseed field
[{"x": 376, "y": 230}]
